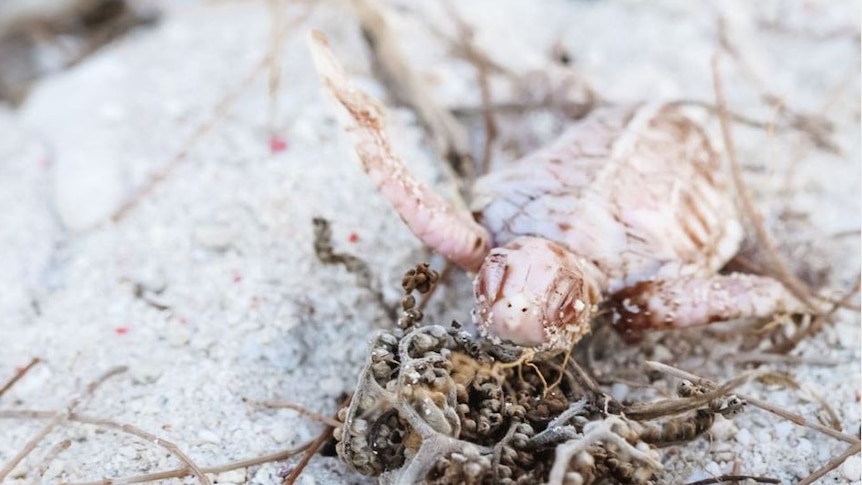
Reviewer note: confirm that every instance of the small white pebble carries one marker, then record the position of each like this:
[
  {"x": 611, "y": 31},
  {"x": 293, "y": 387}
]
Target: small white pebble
[
  {"x": 113, "y": 113},
  {"x": 232, "y": 476},
  {"x": 852, "y": 468},
  {"x": 178, "y": 335},
  {"x": 54, "y": 469},
  {"x": 129, "y": 452},
  {"x": 713, "y": 468},
  {"x": 214, "y": 236},
  {"x": 331, "y": 385},
  {"x": 207, "y": 436},
  {"x": 280, "y": 434},
  {"x": 723, "y": 429},
  {"x": 661, "y": 353},
  {"x": 619, "y": 391},
  {"x": 743, "y": 437}
]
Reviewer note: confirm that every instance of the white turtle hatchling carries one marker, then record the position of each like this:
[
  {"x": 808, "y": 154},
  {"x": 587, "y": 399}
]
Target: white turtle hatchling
[{"x": 629, "y": 208}]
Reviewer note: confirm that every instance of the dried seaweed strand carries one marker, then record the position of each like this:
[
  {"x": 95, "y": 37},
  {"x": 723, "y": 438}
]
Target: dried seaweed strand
[
  {"x": 776, "y": 263},
  {"x": 734, "y": 478},
  {"x": 296, "y": 407},
  {"x": 479, "y": 60},
  {"x": 182, "y": 472},
  {"x": 450, "y": 137},
  {"x": 818, "y": 322},
  {"x": 57, "y": 417},
  {"x": 795, "y": 418},
  {"x": 321, "y": 439},
  {"x": 276, "y": 39},
  {"x": 151, "y": 438},
  {"x": 830, "y": 465},
  {"x": 218, "y": 113},
  {"x": 51, "y": 455},
  {"x": 18, "y": 375}
]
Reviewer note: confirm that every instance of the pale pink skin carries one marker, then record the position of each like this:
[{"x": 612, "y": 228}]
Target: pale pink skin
[{"x": 630, "y": 205}]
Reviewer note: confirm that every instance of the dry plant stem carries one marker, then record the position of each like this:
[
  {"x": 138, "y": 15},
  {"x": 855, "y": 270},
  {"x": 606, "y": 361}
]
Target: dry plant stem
[
  {"x": 767, "y": 358},
  {"x": 803, "y": 122},
  {"x": 189, "y": 469},
  {"x": 776, "y": 263},
  {"x": 795, "y": 418},
  {"x": 276, "y": 38},
  {"x": 18, "y": 375},
  {"x": 466, "y": 34},
  {"x": 300, "y": 409},
  {"x": 653, "y": 410},
  {"x": 182, "y": 472},
  {"x": 818, "y": 322},
  {"x": 830, "y": 465},
  {"x": 734, "y": 478},
  {"x": 450, "y": 137},
  {"x": 56, "y": 419},
  {"x": 218, "y": 113},
  {"x": 51, "y": 455},
  {"x": 306, "y": 457},
  {"x": 151, "y": 438}
]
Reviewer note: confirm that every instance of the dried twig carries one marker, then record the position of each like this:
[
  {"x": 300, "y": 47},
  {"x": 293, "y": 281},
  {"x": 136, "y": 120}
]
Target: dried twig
[
  {"x": 777, "y": 265},
  {"x": 51, "y": 455},
  {"x": 734, "y": 478},
  {"x": 218, "y": 113},
  {"x": 182, "y": 472},
  {"x": 296, "y": 407},
  {"x": 449, "y": 136},
  {"x": 830, "y": 465},
  {"x": 321, "y": 439},
  {"x": 151, "y": 438},
  {"x": 18, "y": 375},
  {"x": 276, "y": 39},
  {"x": 57, "y": 418},
  {"x": 795, "y": 418},
  {"x": 479, "y": 60},
  {"x": 768, "y": 358},
  {"x": 817, "y": 324}
]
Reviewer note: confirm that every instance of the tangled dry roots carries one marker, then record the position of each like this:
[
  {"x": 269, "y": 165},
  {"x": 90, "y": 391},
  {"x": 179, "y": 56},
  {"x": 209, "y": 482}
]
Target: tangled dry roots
[{"x": 433, "y": 405}]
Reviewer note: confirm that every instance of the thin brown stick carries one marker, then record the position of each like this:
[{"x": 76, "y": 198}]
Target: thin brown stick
[
  {"x": 734, "y": 478},
  {"x": 52, "y": 454},
  {"x": 818, "y": 323},
  {"x": 56, "y": 419},
  {"x": 794, "y": 418},
  {"x": 296, "y": 407},
  {"x": 218, "y": 113},
  {"x": 830, "y": 465},
  {"x": 450, "y": 137},
  {"x": 189, "y": 469},
  {"x": 780, "y": 358},
  {"x": 19, "y": 375},
  {"x": 135, "y": 431},
  {"x": 653, "y": 410},
  {"x": 479, "y": 61},
  {"x": 276, "y": 39},
  {"x": 322, "y": 438},
  {"x": 776, "y": 263},
  {"x": 182, "y": 472}
]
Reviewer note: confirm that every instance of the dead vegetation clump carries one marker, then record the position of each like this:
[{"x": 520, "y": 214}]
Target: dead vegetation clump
[{"x": 436, "y": 405}]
